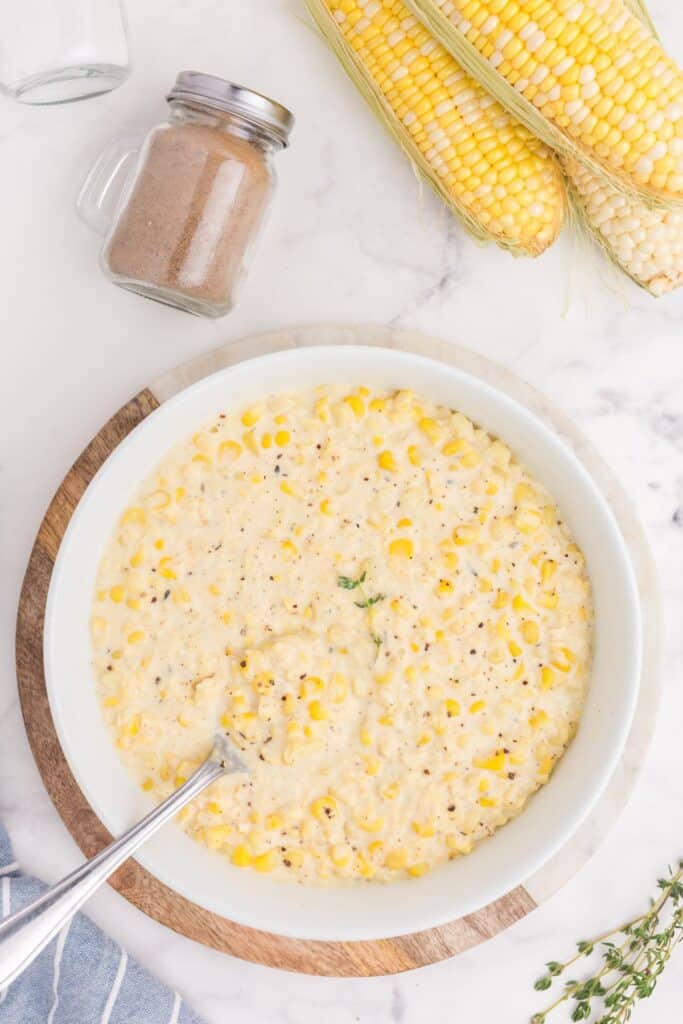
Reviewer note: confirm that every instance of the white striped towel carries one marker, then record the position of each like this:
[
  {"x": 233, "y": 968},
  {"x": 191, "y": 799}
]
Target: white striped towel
[{"x": 82, "y": 977}]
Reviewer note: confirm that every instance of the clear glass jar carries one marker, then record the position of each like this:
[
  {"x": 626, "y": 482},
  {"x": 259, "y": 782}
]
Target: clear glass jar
[
  {"x": 62, "y": 51},
  {"x": 190, "y": 211}
]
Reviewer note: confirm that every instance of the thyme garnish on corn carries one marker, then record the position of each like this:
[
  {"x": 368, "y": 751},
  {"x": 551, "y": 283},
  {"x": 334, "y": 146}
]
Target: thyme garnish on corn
[
  {"x": 348, "y": 583},
  {"x": 633, "y": 956}
]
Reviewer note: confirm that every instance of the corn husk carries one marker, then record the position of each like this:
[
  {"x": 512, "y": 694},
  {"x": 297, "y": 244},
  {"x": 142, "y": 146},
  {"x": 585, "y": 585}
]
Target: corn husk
[
  {"x": 524, "y": 111},
  {"x": 375, "y": 99},
  {"x": 645, "y": 242}
]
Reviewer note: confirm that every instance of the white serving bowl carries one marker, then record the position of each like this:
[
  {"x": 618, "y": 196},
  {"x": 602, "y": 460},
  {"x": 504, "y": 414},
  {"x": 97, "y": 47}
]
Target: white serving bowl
[{"x": 359, "y": 911}]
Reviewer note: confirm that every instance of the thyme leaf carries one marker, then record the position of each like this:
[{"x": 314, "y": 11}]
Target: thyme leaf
[
  {"x": 348, "y": 583},
  {"x": 631, "y": 959}
]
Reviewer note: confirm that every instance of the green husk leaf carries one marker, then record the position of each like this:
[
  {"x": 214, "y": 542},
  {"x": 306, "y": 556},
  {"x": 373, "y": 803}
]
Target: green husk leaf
[
  {"x": 373, "y": 96},
  {"x": 467, "y": 55}
]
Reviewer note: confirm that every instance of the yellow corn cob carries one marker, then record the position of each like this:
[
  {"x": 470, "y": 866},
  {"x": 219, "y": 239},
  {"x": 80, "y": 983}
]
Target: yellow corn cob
[
  {"x": 646, "y": 243},
  {"x": 585, "y": 75},
  {"x": 488, "y": 168}
]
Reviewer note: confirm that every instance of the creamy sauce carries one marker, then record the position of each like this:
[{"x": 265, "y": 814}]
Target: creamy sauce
[{"x": 380, "y": 607}]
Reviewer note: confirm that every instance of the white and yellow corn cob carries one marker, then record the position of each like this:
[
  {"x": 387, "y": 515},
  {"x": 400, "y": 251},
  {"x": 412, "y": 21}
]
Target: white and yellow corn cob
[
  {"x": 585, "y": 75},
  {"x": 646, "y": 242},
  {"x": 489, "y": 169}
]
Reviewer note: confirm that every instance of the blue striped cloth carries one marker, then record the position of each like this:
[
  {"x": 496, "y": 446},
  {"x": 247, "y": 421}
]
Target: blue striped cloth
[{"x": 82, "y": 977}]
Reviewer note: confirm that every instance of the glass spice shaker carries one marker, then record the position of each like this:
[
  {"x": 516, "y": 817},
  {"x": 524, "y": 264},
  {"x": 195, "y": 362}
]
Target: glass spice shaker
[{"x": 187, "y": 213}]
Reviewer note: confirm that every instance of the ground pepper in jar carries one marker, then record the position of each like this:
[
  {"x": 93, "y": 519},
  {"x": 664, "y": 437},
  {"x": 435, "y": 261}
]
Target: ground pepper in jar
[{"x": 199, "y": 195}]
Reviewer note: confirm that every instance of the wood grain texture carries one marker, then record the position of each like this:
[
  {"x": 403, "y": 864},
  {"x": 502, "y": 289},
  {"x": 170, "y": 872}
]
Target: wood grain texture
[{"x": 360, "y": 959}]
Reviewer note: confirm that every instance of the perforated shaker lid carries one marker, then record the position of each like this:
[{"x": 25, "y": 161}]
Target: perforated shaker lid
[{"x": 210, "y": 91}]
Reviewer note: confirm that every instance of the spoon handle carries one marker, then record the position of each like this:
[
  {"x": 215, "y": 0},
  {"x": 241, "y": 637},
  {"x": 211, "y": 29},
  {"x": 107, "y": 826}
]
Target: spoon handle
[{"x": 26, "y": 932}]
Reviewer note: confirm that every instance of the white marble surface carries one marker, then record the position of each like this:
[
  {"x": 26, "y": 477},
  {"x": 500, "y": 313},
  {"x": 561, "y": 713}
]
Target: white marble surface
[{"x": 351, "y": 239}]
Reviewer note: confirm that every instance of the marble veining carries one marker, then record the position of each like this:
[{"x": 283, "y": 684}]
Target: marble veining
[{"x": 352, "y": 238}]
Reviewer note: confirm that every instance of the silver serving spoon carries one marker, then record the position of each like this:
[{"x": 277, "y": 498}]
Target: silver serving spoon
[{"x": 25, "y": 933}]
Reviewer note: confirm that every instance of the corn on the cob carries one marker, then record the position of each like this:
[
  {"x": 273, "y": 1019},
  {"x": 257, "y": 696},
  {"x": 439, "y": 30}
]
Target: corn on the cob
[
  {"x": 585, "y": 75},
  {"x": 646, "y": 243},
  {"x": 489, "y": 169}
]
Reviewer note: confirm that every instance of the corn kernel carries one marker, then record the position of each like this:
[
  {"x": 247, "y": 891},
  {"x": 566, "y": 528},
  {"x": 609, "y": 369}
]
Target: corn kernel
[
  {"x": 414, "y": 455},
  {"x": 431, "y": 429},
  {"x": 326, "y": 507},
  {"x": 458, "y": 446},
  {"x": 538, "y": 719},
  {"x": 487, "y": 801},
  {"x": 425, "y": 829},
  {"x": 252, "y": 416},
  {"x": 117, "y": 594},
  {"x": 134, "y": 515},
  {"x": 372, "y": 825},
  {"x": 289, "y": 489},
  {"x": 465, "y": 534},
  {"x": 530, "y": 631},
  {"x": 391, "y": 791},
  {"x": 403, "y": 547},
  {"x": 418, "y": 869},
  {"x": 452, "y": 707},
  {"x": 265, "y": 862},
  {"x": 547, "y": 678},
  {"x": 137, "y": 558},
  {"x": 230, "y": 450},
  {"x": 356, "y": 404},
  {"x": 147, "y": 785},
  {"x": 365, "y": 869},
  {"x": 548, "y": 570},
  {"x": 165, "y": 570},
  {"x": 444, "y": 587},
  {"x": 495, "y": 763},
  {"x": 395, "y": 860},
  {"x": 282, "y": 438},
  {"x": 317, "y": 711},
  {"x": 324, "y": 808},
  {"x": 216, "y": 835},
  {"x": 340, "y": 855},
  {"x": 136, "y": 637},
  {"x": 289, "y": 548},
  {"x": 241, "y": 857},
  {"x": 477, "y": 706},
  {"x": 387, "y": 461}
]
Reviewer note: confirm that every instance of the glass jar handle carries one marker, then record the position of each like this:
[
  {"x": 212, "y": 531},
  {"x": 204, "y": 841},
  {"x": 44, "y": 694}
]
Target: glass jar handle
[{"x": 105, "y": 182}]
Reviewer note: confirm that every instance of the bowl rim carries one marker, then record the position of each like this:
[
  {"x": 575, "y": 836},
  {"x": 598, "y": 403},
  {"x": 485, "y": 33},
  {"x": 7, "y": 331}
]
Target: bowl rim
[{"x": 550, "y": 438}]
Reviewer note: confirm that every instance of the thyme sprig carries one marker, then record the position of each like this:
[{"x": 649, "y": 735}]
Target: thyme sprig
[
  {"x": 633, "y": 957},
  {"x": 349, "y": 583}
]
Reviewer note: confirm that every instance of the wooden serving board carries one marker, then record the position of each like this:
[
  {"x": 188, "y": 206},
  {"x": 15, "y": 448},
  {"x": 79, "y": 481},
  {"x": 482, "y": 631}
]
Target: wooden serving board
[{"x": 157, "y": 900}]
